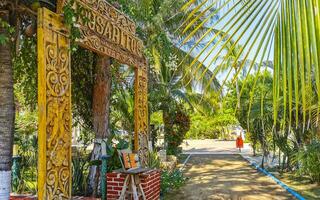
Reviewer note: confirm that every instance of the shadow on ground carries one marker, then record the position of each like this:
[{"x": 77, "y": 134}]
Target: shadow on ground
[{"x": 226, "y": 177}]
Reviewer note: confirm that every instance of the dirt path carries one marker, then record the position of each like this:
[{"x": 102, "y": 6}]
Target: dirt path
[{"x": 226, "y": 177}]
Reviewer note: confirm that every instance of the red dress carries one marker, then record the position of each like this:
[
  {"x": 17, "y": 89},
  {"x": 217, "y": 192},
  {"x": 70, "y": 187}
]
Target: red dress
[{"x": 239, "y": 142}]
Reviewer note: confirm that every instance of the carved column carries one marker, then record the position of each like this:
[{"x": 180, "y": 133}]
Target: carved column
[
  {"x": 141, "y": 113},
  {"x": 54, "y": 100}
]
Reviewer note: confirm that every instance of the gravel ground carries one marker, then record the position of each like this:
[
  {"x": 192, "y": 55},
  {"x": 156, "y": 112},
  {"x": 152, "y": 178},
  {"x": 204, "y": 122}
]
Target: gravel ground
[{"x": 219, "y": 176}]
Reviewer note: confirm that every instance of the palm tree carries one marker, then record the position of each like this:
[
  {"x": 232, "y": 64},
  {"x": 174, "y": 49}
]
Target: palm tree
[
  {"x": 122, "y": 100},
  {"x": 288, "y": 32},
  {"x": 170, "y": 80},
  {"x": 157, "y": 22},
  {"x": 7, "y": 111},
  {"x": 288, "y": 28}
]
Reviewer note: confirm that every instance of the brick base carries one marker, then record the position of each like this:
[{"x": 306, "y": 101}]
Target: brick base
[
  {"x": 20, "y": 197},
  {"x": 150, "y": 182}
]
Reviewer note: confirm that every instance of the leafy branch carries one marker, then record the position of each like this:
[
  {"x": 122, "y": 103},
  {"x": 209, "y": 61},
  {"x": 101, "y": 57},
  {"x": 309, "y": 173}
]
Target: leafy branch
[
  {"x": 70, "y": 18},
  {"x": 3, "y": 37}
]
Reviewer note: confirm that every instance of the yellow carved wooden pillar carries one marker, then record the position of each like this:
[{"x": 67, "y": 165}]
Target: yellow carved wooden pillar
[
  {"x": 141, "y": 113},
  {"x": 54, "y": 100}
]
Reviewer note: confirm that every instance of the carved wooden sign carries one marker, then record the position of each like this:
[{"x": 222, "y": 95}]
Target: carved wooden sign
[{"x": 107, "y": 31}]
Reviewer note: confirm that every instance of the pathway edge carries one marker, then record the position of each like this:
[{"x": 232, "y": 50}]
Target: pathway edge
[
  {"x": 185, "y": 162},
  {"x": 283, "y": 185}
]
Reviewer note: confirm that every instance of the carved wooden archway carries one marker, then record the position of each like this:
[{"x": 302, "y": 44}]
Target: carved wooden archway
[{"x": 107, "y": 32}]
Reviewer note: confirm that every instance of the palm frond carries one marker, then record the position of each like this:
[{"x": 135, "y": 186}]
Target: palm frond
[{"x": 248, "y": 30}]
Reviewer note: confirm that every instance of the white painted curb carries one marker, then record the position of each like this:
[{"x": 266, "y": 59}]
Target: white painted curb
[
  {"x": 185, "y": 162},
  {"x": 5, "y": 185}
]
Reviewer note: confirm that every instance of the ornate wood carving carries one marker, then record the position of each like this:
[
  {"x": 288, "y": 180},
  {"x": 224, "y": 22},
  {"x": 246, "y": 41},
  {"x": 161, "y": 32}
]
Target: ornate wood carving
[
  {"x": 54, "y": 99},
  {"x": 107, "y": 31},
  {"x": 141, "y": 113}
]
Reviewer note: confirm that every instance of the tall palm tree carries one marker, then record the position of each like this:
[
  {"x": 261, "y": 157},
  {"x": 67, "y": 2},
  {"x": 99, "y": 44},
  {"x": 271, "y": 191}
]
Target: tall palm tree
[
  {"x": 288, "y": 28},
  {"x": 157, "y": 22},
  {"x": 7, "y": 112}
]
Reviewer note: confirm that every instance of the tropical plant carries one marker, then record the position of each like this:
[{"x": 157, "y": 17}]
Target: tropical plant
[
  {"x": 308, "y": 160},
  {"x": 122, "y": 100},
  {"x": 157, "y": 29},
  {"x": 176, "y": 125},
  {"x": 25, "y": 74},
  {"x": 284, "y": 31},
  {"x": 210, "y": 127},
  {"x": 256, "y": 25},
  {"x": 153, "y": 160},
  {"x": 171, "y": 180},
  {"x": 25, "y": 140},
  {"x": 80, "y": 172},
  {"x": 255, "y": 111}
]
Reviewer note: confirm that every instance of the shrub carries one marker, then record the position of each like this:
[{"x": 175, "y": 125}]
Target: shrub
[
  {"x": 210, "y": 127},
  {"x": 308, "y": 160},
  {"x": 171, "y": 180},
  {"x": 80, "y": 172},
  {"x": 25, "y": 140},
  {"x": 153, "y": 160},
  {"x": 177, "y": 125}
]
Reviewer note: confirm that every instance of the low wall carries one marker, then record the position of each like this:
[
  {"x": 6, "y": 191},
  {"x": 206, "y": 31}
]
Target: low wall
[
  {"x": 22, "y": 197},
  {"x": 150, "y": 182}
]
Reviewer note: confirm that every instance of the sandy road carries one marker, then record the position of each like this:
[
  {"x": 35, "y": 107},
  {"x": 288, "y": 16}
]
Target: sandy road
[{"x": 224, "y": 177}]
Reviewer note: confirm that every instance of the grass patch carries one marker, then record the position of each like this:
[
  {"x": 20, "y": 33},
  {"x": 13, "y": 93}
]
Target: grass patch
[{"x": 302, "y": 185}]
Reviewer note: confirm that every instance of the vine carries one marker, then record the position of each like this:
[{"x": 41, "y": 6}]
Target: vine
[
  {"x": 70, "y": 18},
  {"x": 3, "y": 37}
]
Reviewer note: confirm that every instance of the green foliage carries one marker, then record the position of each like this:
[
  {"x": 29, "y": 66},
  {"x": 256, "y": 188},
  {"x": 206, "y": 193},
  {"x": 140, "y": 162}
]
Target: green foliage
[
  {"x": 153, "y": 160},
  {"x": 209, "y": 127},
  {"x": 82, "y": 66},
  {"x": 25, "y": 73},
  {"x": 114, "y": 144},
  {"x": 254, "y": 29},
  {"x": 156, "y": 118},
  {"x": 177, "y": 124},
  {"x": 254, "y": 112},
  {"x": 122, "y": 100},
  {"x": 81, "y": 162},
  {"x": 171, "y": 180},
  {"x": 4, "y": 38},
  {"x": 80, "y": 172},
  {"x": 70, "y": 18},
  {"x": 26, "y": 145},
  {"x": 308, "y": 160}
]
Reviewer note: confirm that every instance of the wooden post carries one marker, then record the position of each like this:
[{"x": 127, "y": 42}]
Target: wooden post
[
  {"x": 54, "y": 100},
  {"x": 141, "y": 138}
]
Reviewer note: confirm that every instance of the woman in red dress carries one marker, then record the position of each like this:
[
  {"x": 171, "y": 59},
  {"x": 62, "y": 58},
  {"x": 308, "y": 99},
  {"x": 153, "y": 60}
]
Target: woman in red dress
[{"x": 239, "y": 142}]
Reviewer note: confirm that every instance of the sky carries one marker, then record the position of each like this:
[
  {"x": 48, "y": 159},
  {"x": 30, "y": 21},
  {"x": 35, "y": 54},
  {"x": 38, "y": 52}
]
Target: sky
[{"x": 246, "y": 34}]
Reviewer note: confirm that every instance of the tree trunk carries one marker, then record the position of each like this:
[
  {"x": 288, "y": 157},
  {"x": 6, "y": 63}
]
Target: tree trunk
[
  {"x": 101, "y": 104},
  {"x": 238, "y": 95},
  {"x": 6, "y": 112},
  {"x": 166, "y": 124},
  {"x": 254, "y": 148}
]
